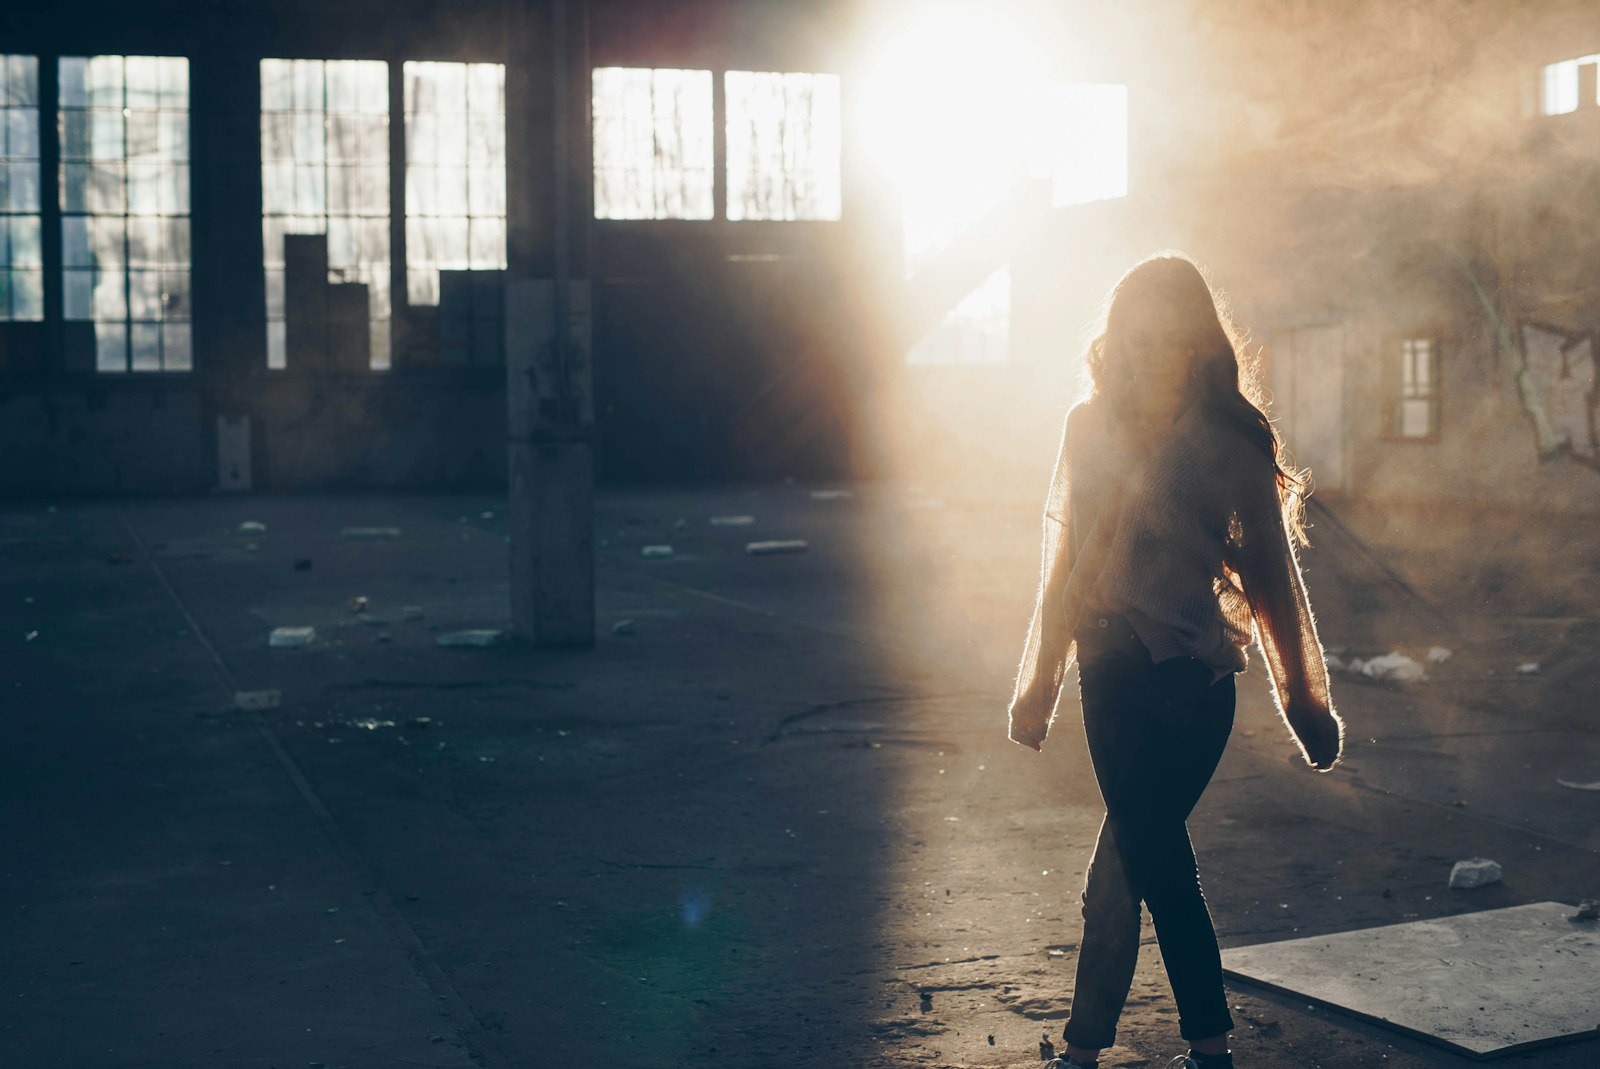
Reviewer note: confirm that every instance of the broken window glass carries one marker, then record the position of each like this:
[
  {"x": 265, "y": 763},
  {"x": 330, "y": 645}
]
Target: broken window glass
[
  {"x": 652, "y": 143},
  {"x": 783, "y": 145},
  {"x": 21, "y": 262},
  {"x": 455, "y": 172},
  {"x": 325, "y": 170},
  {"x": 123, "y": 125}
]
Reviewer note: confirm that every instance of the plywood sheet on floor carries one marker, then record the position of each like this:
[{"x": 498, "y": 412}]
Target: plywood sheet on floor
[{"x": 1483, "y": 984}]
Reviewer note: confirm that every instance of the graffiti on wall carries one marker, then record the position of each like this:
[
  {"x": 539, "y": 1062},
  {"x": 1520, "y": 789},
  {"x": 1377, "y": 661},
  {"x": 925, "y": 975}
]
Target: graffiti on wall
[{"x": 1562, "y": 401}]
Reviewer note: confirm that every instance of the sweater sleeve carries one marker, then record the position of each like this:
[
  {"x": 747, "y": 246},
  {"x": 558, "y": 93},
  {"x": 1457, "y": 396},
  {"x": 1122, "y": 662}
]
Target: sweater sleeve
[
  {"x": 1048, "y": 652},
  {"x": 1285, "y": 628}
]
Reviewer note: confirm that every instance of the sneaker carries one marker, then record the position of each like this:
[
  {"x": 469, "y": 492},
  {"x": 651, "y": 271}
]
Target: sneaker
[
  {"x": 1061, "y": 1061},
  {"x": 1183, "y": 1061}
]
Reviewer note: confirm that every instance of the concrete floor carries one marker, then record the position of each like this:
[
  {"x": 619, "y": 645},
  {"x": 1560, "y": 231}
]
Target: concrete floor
[{"x": 779, "y": 824}]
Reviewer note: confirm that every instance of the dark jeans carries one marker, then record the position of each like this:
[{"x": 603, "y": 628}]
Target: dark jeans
[{"x": 1156, "y": 733}]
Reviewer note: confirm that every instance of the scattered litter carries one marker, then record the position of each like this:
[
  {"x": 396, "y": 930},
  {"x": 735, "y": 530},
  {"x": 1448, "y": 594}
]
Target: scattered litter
[
  {"x": 30, "y": 636},
  {"x": 1528, "y": 668},
  {"x": 411, "y": 612},
  {"x": 253, "y": 527},
  {"x": 1474, "y": 872},
  {"x": 680, "y": 524},
  {"x": 371, "y": 723},
  {"x": 733, "y": 521},
  {"x": 763, "y": 549},
  {"x": 832, "y": 495},
  {"x": 357, "y": 603},
  {"x": 1588, "y": 910},
  {"x": 623, "y": 627},
  {"x": 1593, "y": 785},
  {"x": 1439, "y": 654},
  {"x": 369, "y": 532},
  {"x": 303, "y": 564},
  {"x": 256, "y": 701},
  {"x": 655, "y": 552},
  {"x": 476, "y": 637},
  {"x": 1394, "y": 667},
  {"x": 283, "y": 638},
  {"x": 486, "y": 514}
]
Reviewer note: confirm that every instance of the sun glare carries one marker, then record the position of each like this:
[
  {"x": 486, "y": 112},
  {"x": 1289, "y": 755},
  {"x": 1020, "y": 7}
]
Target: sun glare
[{"x": 959, "y": 109}]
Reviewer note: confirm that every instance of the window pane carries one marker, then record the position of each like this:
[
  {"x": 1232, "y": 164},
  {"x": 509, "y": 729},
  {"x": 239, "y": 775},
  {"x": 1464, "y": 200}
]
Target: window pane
[
  {"x": 652, "y": 138},
  {"x": 110, "y": 296},
  {"x": 27, "y": 295},
  {"x": 783, "y": 145},
  {"x": 488, "y": 244},
  {"x": 78, "y": 294},
  {"x": 175, "y": 295},
  {"x": 19, "y": 186},
  {"x": 110, "y": 347},
  {"x": 146, "y": 338},
  {"x": 20, "y": 85},
  {"x": 144, "y": 295},
  {"x": 25, "y": 241},
  {"x": 105, "y": 134},
  {"x": 176, "y": 353}
]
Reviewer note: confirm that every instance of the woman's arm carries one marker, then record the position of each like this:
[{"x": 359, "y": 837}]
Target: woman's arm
[
  {"x": 1286, "y": 630},
  {"x": 1047, "y": 654}
]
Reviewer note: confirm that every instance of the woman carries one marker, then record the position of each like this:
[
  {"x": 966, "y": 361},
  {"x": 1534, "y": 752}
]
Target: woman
[{"x": 1168, "y": 540}]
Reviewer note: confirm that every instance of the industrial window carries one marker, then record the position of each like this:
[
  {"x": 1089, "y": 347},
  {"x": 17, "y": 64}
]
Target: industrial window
[
  {"x": 1416, "y": 413},
  {"x": 455, "y": 172},
  {"x": 783, "y": 145},
  {"x": 652, "y": 144},
  {"x": 124, "y": 130},
  {"x": 1560, "y": 91},
  {"x": 325, "y": 170},
  {"x": 21, "y": 266}
]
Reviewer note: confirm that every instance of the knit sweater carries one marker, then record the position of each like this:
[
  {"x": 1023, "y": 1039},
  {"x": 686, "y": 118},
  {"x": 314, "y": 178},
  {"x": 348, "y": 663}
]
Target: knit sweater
[{"x": 1185, "y": 538}]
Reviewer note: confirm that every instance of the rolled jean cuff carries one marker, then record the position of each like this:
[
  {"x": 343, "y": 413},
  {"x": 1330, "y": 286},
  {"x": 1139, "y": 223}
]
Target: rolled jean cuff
[
  {"x": 1089, "y": 1039},
  {"x": 1205, "y": 1027}
]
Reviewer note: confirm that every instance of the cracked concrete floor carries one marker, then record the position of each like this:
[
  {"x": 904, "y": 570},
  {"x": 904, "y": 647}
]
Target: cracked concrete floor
[{"x": 777, "y": 824}]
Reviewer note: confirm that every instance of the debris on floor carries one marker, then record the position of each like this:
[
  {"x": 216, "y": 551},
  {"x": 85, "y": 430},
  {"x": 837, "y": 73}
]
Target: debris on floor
[
  {"x": 486, "y": 514},
  {"x": 283, "y": 638},
  {"x": 733, "y": 521},
  {"x": 1528, "y": 668},
  {"x": 1588, "y": 910},
  {"x": 357, "y": 603},
  {"x": 473, "y": 637},
  {"x": 1439, "y": 654},
  {"x": 369, "y": 532},
  {"x": 1592, "y": 785},
  {"x": 253, "y": 527},
  {"x": 256, "y": 701},
  {"x": 655, "y": 552},
  {"x": 1393, "y": 667},
  {"x": 623, "y": 627},
  {"x": 1474, "y": 872},
  {"x": 784, "y": 545}
]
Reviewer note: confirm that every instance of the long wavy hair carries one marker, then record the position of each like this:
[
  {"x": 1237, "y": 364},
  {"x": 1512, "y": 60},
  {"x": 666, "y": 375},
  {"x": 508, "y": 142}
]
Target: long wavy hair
[{"x": 1221, "y": 373}]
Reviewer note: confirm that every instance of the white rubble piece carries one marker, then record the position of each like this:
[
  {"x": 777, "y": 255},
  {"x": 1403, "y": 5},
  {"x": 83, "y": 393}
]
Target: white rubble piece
[
  {"x": 782, "y": 545},
  {"x": 369, "y": 532},
  {"x": 1474, "y": 872},
  {"x": 1394, "y": 667},
  {"x": 476, "y": 637},
  {"x": 733, "y": 521},
  {"x": 655, "y": 552},
  {"x": 253, "y": 527},
  {"x": 287, "y": 638},
  {"x": 1439, "y": 654},
  {"x": 256, "y": 701},
  {"x": 832, "y": 495},
  {"x": 1593, "y": 785},
  {"x": 1528, "y": 668}
]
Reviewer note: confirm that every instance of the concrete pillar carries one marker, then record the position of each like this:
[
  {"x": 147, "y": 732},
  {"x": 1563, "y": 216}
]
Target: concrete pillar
[{"x": 547, "y": 327}]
